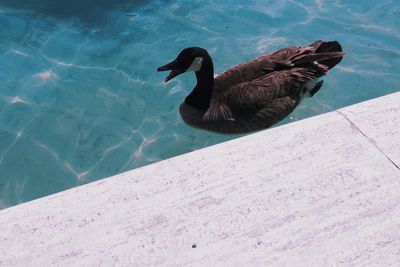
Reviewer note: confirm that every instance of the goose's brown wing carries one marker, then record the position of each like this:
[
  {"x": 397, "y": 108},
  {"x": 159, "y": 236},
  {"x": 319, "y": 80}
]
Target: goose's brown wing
[
  {"x": 269, "y": 114},
  {"x": 261, "y": 66},
  {"x": 249, "y": 71},
  {"x": 245, "y": 100},
  {"x": 249, "y": 98},
  {"x": 327, "y": 53}
]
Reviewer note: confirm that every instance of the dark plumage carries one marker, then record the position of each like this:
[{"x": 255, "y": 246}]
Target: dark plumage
[{"x": 254, "y": 95}]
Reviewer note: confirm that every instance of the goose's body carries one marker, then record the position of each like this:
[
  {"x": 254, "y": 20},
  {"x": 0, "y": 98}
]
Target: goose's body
[{"x": 254, "y": 95}]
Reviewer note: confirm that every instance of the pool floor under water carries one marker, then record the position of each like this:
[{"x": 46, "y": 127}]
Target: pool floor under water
[{"x": 80, "y": 98}]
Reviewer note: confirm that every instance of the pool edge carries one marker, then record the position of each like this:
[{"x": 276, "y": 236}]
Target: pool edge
[{"x": 199, "y": 201}]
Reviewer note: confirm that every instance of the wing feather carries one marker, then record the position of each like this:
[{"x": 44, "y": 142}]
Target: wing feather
[{"x": 252, "y": 96}]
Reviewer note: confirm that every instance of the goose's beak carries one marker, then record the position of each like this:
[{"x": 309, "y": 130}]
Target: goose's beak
[{"x": 172, "y": 66}]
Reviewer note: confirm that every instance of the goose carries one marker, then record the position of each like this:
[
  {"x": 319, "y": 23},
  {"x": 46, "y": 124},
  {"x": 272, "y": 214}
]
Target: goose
[{"x": 254, "y": 95}]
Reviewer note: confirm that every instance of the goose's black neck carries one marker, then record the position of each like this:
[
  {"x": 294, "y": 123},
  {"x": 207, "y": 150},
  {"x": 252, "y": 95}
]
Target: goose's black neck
[{"x": 201, "y": 95}]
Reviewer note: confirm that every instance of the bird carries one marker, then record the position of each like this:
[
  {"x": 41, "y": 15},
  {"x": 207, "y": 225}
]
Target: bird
[{"x": 255, "y": 95}]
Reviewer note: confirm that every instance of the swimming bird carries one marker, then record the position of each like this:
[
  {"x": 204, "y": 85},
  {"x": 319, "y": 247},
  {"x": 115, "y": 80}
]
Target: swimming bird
[{"x": 254, "y": 95}]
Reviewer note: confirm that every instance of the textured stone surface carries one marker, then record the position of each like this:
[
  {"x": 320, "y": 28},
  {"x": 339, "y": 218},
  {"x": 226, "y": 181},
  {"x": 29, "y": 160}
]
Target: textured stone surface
[{"x": 322, "y": 191}]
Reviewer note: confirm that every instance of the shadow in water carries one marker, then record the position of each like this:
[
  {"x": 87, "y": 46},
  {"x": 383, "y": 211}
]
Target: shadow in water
[{"x": 88, "y": 11}]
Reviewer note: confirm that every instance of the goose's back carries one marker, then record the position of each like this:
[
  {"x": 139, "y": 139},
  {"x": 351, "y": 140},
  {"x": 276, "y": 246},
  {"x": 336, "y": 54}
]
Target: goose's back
[{"x": 257, "y": 68}]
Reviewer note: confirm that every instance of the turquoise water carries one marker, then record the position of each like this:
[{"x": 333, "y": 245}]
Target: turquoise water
[{"x": 80, "y": 98}]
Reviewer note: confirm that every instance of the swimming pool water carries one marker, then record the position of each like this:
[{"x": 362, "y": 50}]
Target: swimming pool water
[{"x": 80, "y": 98}]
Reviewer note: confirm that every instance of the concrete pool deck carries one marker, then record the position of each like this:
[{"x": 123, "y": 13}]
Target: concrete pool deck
[{"x": 318, "y": 192}]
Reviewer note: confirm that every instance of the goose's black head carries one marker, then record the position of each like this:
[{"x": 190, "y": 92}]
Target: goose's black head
[{"x": 189, "y": 59}]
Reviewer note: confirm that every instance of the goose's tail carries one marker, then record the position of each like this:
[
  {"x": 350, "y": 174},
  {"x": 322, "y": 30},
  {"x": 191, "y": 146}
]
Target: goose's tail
[
  {"x": 333, "y": 51},
  {"x": 325, "y": 54},
  {"x": 319, "y": 58}
]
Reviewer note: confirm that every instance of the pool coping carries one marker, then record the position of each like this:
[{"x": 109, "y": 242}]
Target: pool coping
[{"x": 320, "y": 191}]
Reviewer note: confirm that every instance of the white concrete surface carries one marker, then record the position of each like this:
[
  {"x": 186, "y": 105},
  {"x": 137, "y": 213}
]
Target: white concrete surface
[{"x": 324, "y": 191}]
